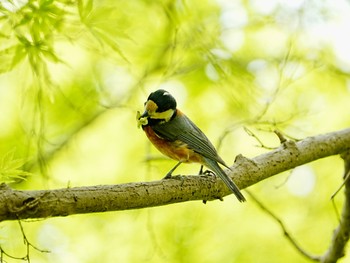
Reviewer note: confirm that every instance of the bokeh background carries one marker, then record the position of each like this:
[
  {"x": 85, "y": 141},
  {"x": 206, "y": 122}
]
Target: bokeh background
[{"x": 74, "y": 73}]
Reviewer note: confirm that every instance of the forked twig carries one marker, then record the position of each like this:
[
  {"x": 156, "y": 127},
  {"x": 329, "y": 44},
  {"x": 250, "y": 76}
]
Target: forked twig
[{"x": 284, "y": 229}]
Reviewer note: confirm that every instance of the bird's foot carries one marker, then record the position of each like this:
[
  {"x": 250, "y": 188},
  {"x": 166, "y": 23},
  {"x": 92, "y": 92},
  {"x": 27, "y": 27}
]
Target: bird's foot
[
  {"x": 167, "y": 176},
  {"x": 206, "y": 172},
  {"x": 176, "y": 177},
  {"x": 219, "y": 198},
  {"x": 179, "y": 177},
  {"x": 209, "y": 173}
]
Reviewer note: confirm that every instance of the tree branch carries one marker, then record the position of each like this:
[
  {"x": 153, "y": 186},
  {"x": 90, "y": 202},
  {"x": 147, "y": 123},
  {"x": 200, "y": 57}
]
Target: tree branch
[
  {"x": 15, "y": 204},
  {"x": 286, "y": 233},
  {"x": 342, "y": 232}
]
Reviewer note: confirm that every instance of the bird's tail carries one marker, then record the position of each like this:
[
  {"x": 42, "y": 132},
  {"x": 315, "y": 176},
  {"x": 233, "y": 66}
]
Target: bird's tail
[{"x": 213, "y": 165}]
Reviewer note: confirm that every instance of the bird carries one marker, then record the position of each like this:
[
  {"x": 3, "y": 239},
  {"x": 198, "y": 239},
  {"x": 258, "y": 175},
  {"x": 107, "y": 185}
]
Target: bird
[{"x": 177, "y": 137}]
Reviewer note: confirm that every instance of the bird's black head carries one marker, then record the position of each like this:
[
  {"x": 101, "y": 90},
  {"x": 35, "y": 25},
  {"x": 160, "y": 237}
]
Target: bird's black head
[
  {"x": 160, "y": 107},
  {"x": 163, "y": 99}
]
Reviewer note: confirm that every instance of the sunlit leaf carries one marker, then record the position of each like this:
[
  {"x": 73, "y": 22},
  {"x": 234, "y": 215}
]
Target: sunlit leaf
[
  {"x": 85, "y": 9},
  {"x": 10, "y": 168},
  {"x": 10, "y": 57},
  {"x": 110, "y": 42},
  {"x": 20, "y": 54}
]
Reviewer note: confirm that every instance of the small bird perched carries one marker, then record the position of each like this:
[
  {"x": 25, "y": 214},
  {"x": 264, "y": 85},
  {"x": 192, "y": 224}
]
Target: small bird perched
[{"x": 177, "y": 137}]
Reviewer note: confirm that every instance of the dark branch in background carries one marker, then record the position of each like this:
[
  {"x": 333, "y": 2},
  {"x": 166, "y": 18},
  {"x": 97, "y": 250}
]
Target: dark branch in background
[
  {"x": 16, "y": 204},
  {"x": 27, "y": 244},
  {"x": 342, "y": 232},
  {"x": 284, "y": 229}
]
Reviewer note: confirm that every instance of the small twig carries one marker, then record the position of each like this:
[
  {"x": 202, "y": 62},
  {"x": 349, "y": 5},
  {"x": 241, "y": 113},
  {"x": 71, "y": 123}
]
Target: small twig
[
  {"x": 284, "y": 181},
  {"x": 284, "y": 229},
  {"x": 262, "y": 145},
  {"x": 3, "y": 252},
  {"x": 280, "y": 136},
  {"x": 347, "y": 176},
  {"x": 336, "y": 210},
  {"x": 29, "y": 244},
  {"x": 341, "y": 234}
]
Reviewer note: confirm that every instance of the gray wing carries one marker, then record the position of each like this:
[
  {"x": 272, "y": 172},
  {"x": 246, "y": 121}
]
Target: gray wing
[{"x": 183, "y": 129}]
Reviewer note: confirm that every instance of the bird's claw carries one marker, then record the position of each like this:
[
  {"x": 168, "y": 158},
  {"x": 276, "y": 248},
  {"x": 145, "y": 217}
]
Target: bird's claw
[
  {"x": 178, "y": 177},
  {"x": 175, "y": 177},
  {"x": 206, "y": 172},
  {"x": 168, "y": 176},
  {"x": 209, "y": 173},
  {"x": 219, "y": 198}
]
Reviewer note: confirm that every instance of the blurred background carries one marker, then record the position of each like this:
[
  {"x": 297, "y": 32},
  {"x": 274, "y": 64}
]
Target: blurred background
[{"x": 74, "y": 73}]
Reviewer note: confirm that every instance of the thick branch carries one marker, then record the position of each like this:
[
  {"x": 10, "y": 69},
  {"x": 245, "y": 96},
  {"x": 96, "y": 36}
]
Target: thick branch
[{"x": 245, "y": 172}]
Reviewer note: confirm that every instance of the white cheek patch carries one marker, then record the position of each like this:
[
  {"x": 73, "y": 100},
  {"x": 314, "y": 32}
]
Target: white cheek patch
[{"x": 166, "y": 115}]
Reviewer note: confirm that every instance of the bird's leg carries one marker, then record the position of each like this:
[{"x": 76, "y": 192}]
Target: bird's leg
[
  {"x": 168, "y": 175},
  {"x": 206, "y": 172},
  {"x": 201, "y": 170}
]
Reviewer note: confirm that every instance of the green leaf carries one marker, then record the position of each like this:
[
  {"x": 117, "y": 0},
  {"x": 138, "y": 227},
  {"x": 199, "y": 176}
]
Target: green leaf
[
  {"x": 19, "y": 55},
  {"x": 107, "y": 40},
  {"x": 10, "y": 168},
  {"x": 85, "y": 10},
  {"x": 10, "y": 57}
]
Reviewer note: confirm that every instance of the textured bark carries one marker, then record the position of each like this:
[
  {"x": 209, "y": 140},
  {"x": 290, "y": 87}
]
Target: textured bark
[{"x": 15, "y": 204}]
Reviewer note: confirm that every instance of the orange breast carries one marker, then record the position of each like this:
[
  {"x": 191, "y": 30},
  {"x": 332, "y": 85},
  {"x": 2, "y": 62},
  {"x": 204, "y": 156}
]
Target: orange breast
[{"x": 176, "y": 150}]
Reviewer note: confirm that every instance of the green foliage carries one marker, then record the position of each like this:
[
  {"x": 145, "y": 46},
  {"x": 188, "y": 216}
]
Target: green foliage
[
  {"x": 29, "y": 33},
  {"x": 11, "y": 168},
  {"x": 73, "y": 74}
]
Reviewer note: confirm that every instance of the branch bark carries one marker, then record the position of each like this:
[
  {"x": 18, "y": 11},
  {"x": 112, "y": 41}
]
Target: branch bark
[{"x": 16, "y": 204}]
